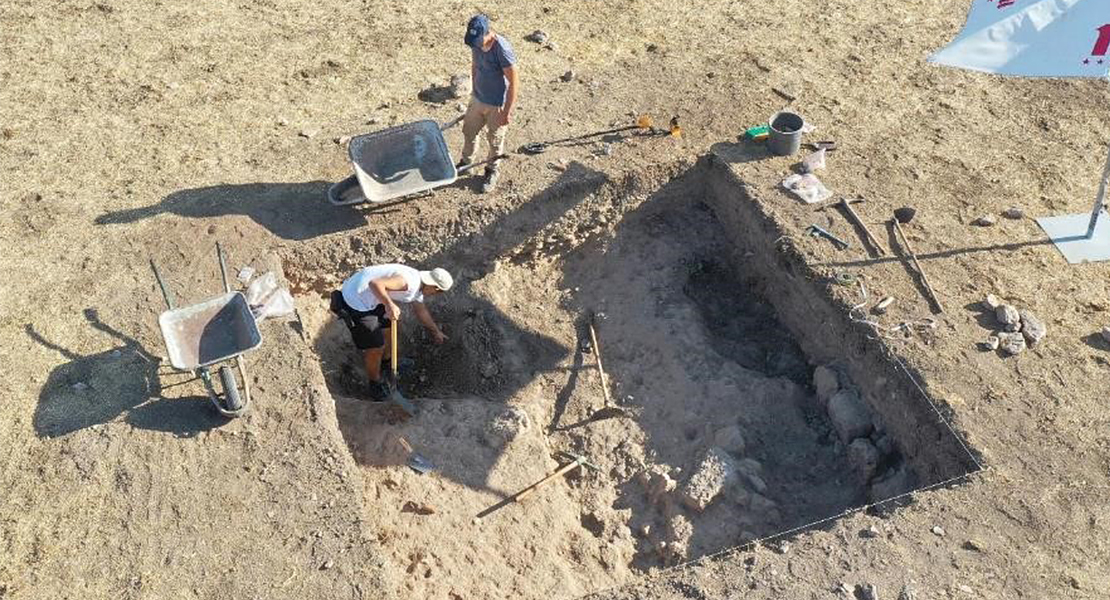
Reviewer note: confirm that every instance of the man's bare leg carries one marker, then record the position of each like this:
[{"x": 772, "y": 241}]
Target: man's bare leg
[{"x": 372, "y": 358}]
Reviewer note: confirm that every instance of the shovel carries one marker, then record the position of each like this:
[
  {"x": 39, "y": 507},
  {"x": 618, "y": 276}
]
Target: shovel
[
  {"x": 608, "y": 411},
  {"x": 395, "y": 395},
  {"x": 644, "y": 122}
]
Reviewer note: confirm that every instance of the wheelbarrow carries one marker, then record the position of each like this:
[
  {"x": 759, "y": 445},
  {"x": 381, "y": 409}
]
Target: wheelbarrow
[
  {"x": 400, "y": 161},
  {"x": 200, "y": 336}
]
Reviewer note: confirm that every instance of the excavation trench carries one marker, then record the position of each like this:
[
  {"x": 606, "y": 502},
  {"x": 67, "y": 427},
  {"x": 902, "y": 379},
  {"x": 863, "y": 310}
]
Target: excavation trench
[{"x": 710, "y": 336}]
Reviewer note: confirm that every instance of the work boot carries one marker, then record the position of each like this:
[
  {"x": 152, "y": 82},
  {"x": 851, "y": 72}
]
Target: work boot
[
  {"x": 462, "y": 164},
  {"x": 379, "y": 390},
  {"x": 489, "y": 182}
]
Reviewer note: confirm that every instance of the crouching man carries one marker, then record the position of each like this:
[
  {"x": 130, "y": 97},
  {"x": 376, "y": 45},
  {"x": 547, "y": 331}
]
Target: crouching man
[{"x": 368, "y": 304}]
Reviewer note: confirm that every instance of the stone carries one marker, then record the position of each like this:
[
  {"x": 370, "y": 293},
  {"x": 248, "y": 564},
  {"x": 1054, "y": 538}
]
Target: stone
[
  {"x": 460, "y": 107},
  {"x": 730, "y": 439},
  {"x": 849, "y": 415},
  {"x": 679, "y": 533},
  {"x": 505, "y": 427},
  {"x": 1032, "y": 328},
  {"x": 867, "y": 591},
  {"x": 871, "y": 532},
  {"x": 1012, "y": 343},
  {"x": 894, "y": 482},
  {"x": 327, "y": 565},
  {"x": 991, "y": 343},
  {"x": 1008, "y": 316},
  {"x": 750, "y": 469},
  {"x": 1013, "y": 213},
  {"x": 762, "y": 504},
  {"x": 552, "y": 46},
  {"x": 826, "y": 383},
  {"x": 991, "y": 303},
  {"x": 309, "y": 133},
  {"x": 568, "y": 76},
  {"x": 1106, "y": 334},
  {"x": 984, "y": 221},
  {"x": 712, "y": 475},
  {"x": 907, "y": 593},
  {"x": 459, "y": 86},
  {"x": 864, "y": 458},
  {"x": 885, "y": 445},
  {"x": 537, "y": 37},
  {"x": 938, "y": 530}
]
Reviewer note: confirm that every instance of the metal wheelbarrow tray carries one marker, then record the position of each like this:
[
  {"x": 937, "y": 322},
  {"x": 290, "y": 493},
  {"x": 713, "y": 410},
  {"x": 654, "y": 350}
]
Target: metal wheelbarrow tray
[
  {"x": 395, "y": 162},
  {"x": 213, "y": 331}
]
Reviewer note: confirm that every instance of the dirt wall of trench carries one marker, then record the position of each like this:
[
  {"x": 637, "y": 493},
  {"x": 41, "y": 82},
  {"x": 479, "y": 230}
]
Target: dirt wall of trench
[{"x": 818, "y": 318}]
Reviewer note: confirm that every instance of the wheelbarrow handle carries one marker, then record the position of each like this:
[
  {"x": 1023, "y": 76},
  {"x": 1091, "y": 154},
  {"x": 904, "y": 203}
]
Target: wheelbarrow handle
[
  {"x": 162, "y": 284},
  {"x": 223, "y": 267},
  {"x": 452, "y": 123}
]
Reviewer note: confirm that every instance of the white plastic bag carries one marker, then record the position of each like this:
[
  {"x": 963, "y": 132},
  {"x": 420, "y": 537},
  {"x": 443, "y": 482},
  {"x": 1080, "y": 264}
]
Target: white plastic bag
[
  {"x": 267, "y": 300},
  {"x": 278, "y": 304},
  {"x": 815, "y": 161},
  {"x": 261, "y": 288},
  {"x": 807, "y": 187}
]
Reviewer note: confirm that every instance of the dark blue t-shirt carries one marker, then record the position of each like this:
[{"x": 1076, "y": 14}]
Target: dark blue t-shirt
[{"x": 489, "y": 77}]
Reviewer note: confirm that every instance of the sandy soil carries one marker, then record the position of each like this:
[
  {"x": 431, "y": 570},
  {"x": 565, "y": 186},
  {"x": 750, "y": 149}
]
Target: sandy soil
[{"x": 132, "y": 133}]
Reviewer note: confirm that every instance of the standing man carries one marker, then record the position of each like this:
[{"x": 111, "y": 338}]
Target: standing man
[
  {"x": 494, "y": 77},
  {"x": 367, "y": 303}
]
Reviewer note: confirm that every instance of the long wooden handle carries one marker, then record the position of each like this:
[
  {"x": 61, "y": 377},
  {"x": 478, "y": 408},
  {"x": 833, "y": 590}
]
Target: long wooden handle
[
  {"x": 917, "y": 265},
  {"x": 870, "y": 236},
  {"x": 600, "y": 369},
  {"x": 393, "y": 346},
  {"x": 528, "y": 491}
]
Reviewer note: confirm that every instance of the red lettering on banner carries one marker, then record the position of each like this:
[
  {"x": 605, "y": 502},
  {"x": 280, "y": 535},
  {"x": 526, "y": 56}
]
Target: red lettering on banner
[
  {"x": 1005, "y": 3},
  {"x": 1103, "y": 42}
]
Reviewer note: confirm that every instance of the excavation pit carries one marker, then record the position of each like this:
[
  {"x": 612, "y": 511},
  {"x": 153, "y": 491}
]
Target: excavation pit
[{"x": 749, "y": 404}]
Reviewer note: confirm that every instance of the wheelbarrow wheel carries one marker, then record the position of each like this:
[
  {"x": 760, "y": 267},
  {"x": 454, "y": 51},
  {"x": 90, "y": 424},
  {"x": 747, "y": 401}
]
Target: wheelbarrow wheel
[{"x": 232, "y": 401}]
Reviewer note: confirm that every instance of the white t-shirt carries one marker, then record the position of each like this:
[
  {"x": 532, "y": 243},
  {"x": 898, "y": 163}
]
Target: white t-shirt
[{"x": 358, "y": 295}]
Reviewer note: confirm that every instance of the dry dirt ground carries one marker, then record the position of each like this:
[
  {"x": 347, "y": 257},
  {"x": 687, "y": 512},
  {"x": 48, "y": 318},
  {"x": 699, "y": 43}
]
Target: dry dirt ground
[{"x": 132, "y": 131}]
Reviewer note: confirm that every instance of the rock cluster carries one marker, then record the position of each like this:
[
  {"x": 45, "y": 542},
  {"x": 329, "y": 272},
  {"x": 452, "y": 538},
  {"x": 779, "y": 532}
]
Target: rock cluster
[
  {"x": 1019, "y": 327},
  {"x": 872, "y": 453}
]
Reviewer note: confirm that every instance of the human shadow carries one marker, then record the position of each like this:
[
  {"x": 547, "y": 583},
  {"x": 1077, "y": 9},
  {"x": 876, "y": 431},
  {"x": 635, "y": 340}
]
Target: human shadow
[
  {"x": 487, "y": 359},
  {"x": 291, "y": 211},
  {"x": 97, "y": 388}
]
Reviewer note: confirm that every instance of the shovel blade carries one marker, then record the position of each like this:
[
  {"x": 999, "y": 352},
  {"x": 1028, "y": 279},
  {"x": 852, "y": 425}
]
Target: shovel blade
[{"x": 395, "y": 397}]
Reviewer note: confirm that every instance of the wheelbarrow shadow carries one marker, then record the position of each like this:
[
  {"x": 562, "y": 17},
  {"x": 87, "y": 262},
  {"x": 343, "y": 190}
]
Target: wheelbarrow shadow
[
  {"x": 291, "y": 211},
  {"x": 123, "y": 381}
]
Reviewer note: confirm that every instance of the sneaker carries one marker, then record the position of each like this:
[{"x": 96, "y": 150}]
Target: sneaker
[
  {"x": 489, "y": 182},
  {"x": 379, "y": 391}
]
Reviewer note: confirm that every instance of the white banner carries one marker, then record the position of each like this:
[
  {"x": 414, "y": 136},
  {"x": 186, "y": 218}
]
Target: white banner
[{"x": 1033, "y": 38}]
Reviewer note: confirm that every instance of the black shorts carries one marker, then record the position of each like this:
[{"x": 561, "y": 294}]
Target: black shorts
[{"x": 365, "y": 327}]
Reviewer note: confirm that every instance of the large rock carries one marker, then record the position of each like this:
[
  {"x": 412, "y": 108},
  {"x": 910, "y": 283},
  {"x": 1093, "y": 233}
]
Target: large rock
[
  {"x": 1032, "y": 328},
  {"x": 658, "y": 483},
  {"x": 849, "y": 415},
  {"x": 826, "y": 383},
  {"x": 894, "y": 482},
  {"x": 713, "y": 474},
  {"x": 1008, "y": 317},
  {"x": 730, "y": 439},
  {"x": 864, "y": 458},
  {"x": 750, "y": 469}
]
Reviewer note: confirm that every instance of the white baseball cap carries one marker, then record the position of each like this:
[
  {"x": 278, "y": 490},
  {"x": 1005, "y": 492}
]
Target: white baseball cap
[{"x": 438, "y": 278}]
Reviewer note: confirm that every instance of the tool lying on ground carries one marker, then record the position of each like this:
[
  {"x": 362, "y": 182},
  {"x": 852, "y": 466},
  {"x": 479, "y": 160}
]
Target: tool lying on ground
[
  {"x": 416, "y": 461},
  {"x": 608, "y": 410},
  {"x": 905, "y": 215},
  {"x": 818, "y": 231},
  {"x": 395, "y": 395},
  {"x": 643, "y": 123},
  {"x": 575, "y": 462},
  {"x": 868, "y": 237},
  {"x": 218, "y": 329}
]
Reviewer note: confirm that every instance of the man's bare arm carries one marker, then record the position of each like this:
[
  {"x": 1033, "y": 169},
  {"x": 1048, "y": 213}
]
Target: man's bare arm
[
  {"x": 428, "y": 322},
  {"x": 510, "y": 95},
  {"x": 382, "y": 286}
]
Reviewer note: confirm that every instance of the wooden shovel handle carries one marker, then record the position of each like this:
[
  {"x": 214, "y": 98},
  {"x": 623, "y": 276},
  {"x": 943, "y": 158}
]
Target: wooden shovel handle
[
  {"x": 600, "y": 369},
  {"x": 563, "y": 470},
  {"x": 396, "y": 324}
]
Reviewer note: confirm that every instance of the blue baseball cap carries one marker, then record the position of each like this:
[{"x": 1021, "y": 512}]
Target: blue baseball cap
[{"x": 476, "y": 30}]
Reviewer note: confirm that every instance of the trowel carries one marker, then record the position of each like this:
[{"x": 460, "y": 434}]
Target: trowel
[{"x": 416, "y": 461}]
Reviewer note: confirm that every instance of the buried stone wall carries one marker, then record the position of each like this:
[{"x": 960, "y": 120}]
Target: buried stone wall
[{"x": 868, "y": 396}]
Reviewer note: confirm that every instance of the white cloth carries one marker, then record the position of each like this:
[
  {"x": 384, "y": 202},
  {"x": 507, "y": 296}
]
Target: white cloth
[
  {"x": 1033, "y": 38},
  {"x": 358, "y": 295}
]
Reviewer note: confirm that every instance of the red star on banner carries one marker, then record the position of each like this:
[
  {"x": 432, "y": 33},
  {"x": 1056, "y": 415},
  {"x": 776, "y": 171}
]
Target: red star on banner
[{"x": 1086, "y": 61}]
